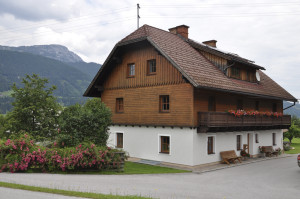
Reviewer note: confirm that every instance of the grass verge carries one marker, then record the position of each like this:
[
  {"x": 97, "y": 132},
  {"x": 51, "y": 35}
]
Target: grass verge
[
  {"x": 129, "y": 168},
  {"x": 295, "y": 144},
  {"x": 136, "y": 168},
  {"x": 64, "y": 192}
]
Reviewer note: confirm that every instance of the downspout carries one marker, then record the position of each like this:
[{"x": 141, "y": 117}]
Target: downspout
[
  {"x": 225, "y": 69},
  {"x": 290, "y": 106}
]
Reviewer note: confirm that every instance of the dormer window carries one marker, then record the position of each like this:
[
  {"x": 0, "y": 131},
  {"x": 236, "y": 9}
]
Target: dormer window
[{"x": 235, "y": 72}]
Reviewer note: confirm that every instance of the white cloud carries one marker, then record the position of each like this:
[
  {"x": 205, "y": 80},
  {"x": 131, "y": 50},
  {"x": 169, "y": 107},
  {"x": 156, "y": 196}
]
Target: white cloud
[{"x": 263, "y": 31}]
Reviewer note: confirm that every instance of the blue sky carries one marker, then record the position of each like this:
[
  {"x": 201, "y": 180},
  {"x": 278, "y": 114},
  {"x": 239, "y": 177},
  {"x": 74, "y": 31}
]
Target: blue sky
[{"x": 266, "y": 32}]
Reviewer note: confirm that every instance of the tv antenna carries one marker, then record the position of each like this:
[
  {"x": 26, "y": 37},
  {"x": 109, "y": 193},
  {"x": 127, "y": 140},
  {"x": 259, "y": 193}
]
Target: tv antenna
[{"x": 138, "y": 15}]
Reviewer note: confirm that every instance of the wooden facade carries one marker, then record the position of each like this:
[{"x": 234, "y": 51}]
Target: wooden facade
[
  {"x": 140, "y": 93},
  {"x": 166, "y": 74},
  {"x": 218, "y": 61},
  {"x": 141, "y": 105}
]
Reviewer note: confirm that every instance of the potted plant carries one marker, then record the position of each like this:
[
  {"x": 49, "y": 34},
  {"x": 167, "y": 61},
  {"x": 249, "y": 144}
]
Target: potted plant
[{"x": 244, "y": 154}]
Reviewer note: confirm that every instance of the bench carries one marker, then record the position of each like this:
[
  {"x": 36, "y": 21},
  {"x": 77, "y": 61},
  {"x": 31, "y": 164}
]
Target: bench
[
  {"x": 269, "y": 151},
  {"x": 229, "y": 156}
]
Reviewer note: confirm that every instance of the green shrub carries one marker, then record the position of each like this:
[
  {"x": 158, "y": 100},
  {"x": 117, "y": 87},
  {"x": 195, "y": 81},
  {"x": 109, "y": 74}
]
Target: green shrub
[
  {"x": 286, "y": 147},
  {"x": 84, "y": 123}
]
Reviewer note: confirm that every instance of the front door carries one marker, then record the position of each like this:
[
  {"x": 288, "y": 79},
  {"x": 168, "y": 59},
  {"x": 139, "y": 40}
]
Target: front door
[{"x": 250, "y": 142}]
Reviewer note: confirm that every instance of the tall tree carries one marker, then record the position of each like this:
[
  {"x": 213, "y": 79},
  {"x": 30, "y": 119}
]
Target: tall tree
[
  {"x": 35, "y": 109},
  {"x": 294, "y": 130},
  {"x": 2, "y": 125},
  {"x": 88, "y": 122}
]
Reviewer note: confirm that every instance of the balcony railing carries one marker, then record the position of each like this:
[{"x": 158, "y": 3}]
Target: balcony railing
[{"x": 220, "y": 121}]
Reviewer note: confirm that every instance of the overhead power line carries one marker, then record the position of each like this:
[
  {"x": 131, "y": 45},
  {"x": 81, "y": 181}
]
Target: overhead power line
[
  {"x": 70, "y": 20},
  {"x": 205, "y": 5},
  {"x": 224, "y": 15},
  {"x": 78, "y": 27}
]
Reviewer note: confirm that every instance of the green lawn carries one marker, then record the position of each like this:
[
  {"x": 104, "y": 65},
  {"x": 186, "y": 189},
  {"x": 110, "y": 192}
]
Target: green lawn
[
  {"x": 295, "y": 144},
  {"x": 64, "y": 192},
  {"x": 130, "y": 168},
  {"x": 135, "y": 168}
]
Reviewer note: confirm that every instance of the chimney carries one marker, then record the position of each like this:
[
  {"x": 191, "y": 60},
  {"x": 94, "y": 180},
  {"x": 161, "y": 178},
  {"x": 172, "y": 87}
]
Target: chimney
[
  {"x": 182, "y": 30},
  {"x": 212, "y": 43}
]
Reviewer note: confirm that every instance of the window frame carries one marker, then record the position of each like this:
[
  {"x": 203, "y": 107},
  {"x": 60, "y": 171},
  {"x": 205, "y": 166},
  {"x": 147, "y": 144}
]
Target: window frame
[
  {"x": 117, "y": 140},
  {"x": 211, "y": 103},
  {"x": 274, "y": 107},
  {"x": 161, "y": 104},
  {"x": 240, "y": 104},
  {"x": 160, "y": 146},
  {"x": 256, "y": 138},
  {"x": 118, "y": 109},
  {"x": 151, "y": 66},
  {"x": 248, "y": 73},
  {"x": 239, "y": 142},
  {"x": 213, "y": 147},
  {"x": 129, "y": 70},
  {"x": 274, "y": 139},
  {"x": 257, "y": 105},
  {"x": 235, "y": 72}
]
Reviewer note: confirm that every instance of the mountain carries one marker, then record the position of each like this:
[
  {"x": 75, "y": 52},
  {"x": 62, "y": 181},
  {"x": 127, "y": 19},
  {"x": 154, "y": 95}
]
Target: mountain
[
  {"x": 90, "y": 69},
  {"x": 294, "y": 110},
  {"x": 58, "y": 52},
  {"x": 69, "y": 80}
]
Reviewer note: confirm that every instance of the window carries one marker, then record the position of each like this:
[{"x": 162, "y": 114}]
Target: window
[
  {"x": 257, "y": 105},
  {"x": 120, "y": 140},
  {"x": 274, "y": 139},
  {"x": 256, "y": 138},
  {"x": 151, "y": 67},
  {"x": 239, "y": 105},
  {"x": 274, "y": 107},
  {"x": 164, "y": 103},
  {"x": 235, "y": 72},
  {"x": 238, "y": 142},
  {"x": 119, "y": 105},
  {"x": 165, "y": 144},
  {"x": 248, "y": 76},
  {"x": 130, "y": 70},
  {"x": 211, "y": 103},
  {"x": 210, "y": 145}
]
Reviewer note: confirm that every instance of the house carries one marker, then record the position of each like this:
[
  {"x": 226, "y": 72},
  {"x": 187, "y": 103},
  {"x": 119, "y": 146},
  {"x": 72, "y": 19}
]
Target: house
[{"x": 169, "y": 96}]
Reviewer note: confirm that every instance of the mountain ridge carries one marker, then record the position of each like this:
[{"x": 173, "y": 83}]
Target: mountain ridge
[{"x": 54, "y": 51}]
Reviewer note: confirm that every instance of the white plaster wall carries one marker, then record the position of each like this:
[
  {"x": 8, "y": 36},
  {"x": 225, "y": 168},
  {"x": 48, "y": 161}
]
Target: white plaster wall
[
  {"x": 186, "y": 145},
  {"x": 225, "y": 141},
  {"x": 143, "y": 142},
  {"x": 265, "y": 139}
]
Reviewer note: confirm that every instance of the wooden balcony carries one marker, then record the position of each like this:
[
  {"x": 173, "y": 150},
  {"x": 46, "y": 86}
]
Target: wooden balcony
[{"x": 220, "y": 122}]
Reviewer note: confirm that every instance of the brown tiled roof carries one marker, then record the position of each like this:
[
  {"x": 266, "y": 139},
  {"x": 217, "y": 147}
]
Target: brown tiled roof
[
  {"x": 196, "y": 68},
  {"x": 225, "y": 55}
]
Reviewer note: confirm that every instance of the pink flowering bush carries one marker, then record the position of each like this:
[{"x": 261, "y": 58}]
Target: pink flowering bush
[
  {"x": 239, "y": 113},
  {"x": 22, "y": 154}
]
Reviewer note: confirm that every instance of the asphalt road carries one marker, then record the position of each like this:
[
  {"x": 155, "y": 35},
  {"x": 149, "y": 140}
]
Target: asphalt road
[{"x": 276, "y": 178}]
